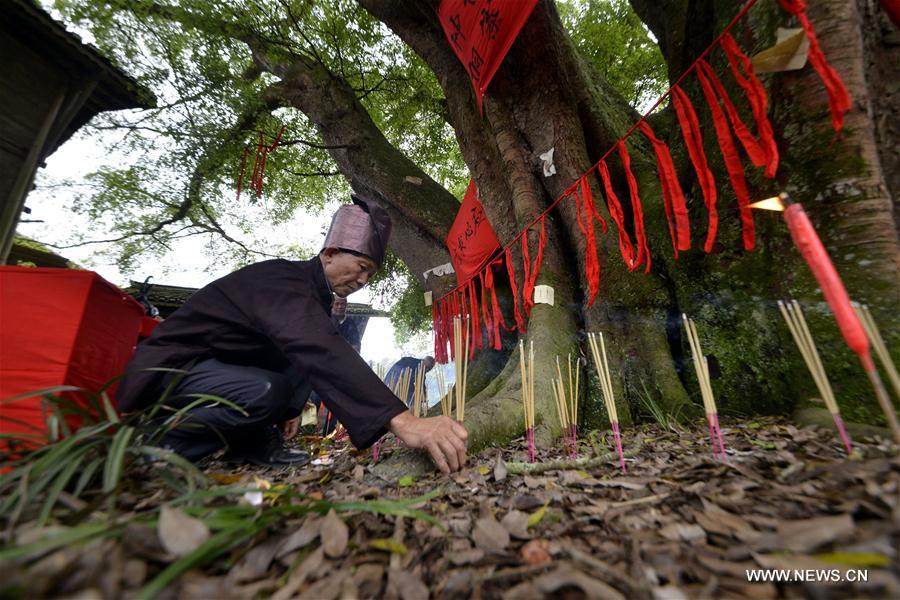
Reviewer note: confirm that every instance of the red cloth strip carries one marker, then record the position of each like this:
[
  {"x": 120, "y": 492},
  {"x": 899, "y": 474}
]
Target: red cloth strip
[
  {"x": 756, "y": 96},
  {"x": 475, "y": 342},
  {"x": 673, "y": 196},
  {"x": 436, "y": 328},
  {"x": 690, "y": 129},
  {"x": 528, "y": 286},
  {"x": 729, "y": 153},
  {"x": 617, "y": 214},
  {"x": 751, "y": 145},
  {"x": 240, "y": 180},
  {"x": 591, "y": 262},
  {"x": 498, "y": 320},
  {"x": 637, "y": 210},
  {"x": 486, "y": 308},
  {"x": 511, "y": 272},
  {"x": 838, "y": 99}
]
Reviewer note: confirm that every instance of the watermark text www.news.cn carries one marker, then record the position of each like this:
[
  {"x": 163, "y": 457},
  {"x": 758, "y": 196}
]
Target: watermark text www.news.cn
[{"x": 807, "y": 575}]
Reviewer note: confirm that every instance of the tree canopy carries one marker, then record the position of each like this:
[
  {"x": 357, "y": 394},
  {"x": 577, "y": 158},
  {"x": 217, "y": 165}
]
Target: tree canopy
[{"x": 180, "y": 162}]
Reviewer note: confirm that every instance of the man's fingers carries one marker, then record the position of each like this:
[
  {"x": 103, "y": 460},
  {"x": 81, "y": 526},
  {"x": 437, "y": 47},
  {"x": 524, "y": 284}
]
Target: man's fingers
[
  {"x": 450, "y": 453},
  {"x": 460, "y": 448},
  {"x": 438, "y": 456},
  {"x": 460, "y": 431}
]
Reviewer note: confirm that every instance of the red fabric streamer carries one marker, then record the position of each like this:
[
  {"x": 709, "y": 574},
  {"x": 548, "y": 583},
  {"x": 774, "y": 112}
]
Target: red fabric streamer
[
  {"x": 673, "y": 196},
  {"x": 618, "y": 215},
  {"x": 729, "y": 153},
  {"x": 585, "y": 198},
  {"x": 485, "y": 308},
  {"x": 474, "y": 326},
  {"x": 838, "y": 99},
  {"x": 759, "y": 102},
  {"x": 481, "y": 33},
  {"x": 532, "y": 273},
  {"x": 643, "y": 252},
  {"x": 436, "y": 327},
  {"x": 495, "y": 306},
  {"x": 690, "y": 129},
  {"x": 259, "y": 163},
  {"x": 511, "y": 272},
  {"x": 753, "y": 148}
]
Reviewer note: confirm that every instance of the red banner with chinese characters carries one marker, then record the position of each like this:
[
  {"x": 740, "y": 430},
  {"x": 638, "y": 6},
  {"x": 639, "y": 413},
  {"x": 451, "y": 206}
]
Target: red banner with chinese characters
[
  {"x": 481, "y": 32},
  {"x": 471, "y": 240}
]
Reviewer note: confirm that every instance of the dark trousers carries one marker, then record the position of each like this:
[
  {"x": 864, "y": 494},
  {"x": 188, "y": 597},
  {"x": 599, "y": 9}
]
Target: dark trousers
[{"x": 267, "y": 398}]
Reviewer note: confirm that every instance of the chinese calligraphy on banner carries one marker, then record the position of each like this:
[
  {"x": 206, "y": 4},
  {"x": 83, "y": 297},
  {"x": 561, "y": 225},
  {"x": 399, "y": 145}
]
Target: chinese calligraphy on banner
[
  {"x": 471, "y": 240},
  {"x": 481, "y": 33}
]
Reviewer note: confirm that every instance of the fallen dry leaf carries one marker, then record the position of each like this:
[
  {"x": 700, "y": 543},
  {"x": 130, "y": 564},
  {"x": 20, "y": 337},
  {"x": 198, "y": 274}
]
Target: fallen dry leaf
[
  {"x": 516, "y": 523},
  {"x": 406, "y": 585},
  {"x": 179, "y": 533},
  {"x": 489, "y": 535},
  {"x": 334, "y": 534},
  {"x": 809, "y": 535}
]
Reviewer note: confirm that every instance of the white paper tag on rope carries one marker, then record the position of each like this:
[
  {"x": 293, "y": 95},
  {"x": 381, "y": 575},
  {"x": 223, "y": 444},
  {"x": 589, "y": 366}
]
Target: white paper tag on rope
[
  {"x": 439, "y": 271},
  {"x": 543, "y": 294},
  {"x": 428, "y": 298},
  {"x": 547, "y": 159}
]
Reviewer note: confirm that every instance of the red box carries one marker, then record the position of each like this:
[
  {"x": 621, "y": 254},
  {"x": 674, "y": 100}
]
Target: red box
[{"x": 59, "y": 327}]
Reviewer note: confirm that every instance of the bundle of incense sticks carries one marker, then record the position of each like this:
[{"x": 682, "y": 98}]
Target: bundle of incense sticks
[
  {"x": 419, "y": 399},
  {"x": 446, "y": 398},
  {"x": 567, "y": 405},
  {"x": 701, "y": 366},
  {"x": 599, "y": 354},
  {"x": 460, "y": 350},
  {"x": 878, "y": 343},
  {"x": 796, "y": 322},
  {"x": 526, "y": 368}
]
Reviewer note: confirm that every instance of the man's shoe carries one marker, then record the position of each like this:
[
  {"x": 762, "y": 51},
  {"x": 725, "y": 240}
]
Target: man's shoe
[{"x": 267, "y": 450}]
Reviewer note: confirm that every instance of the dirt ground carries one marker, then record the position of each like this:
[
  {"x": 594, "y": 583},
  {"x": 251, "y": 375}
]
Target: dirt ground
[{"x": 680, "y": 524}]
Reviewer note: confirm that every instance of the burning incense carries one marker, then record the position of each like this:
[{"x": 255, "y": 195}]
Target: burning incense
[
  {"x": 796, "y": 322},
  {"x": 701, "y": 366},
  {"x": 878, "y": 343},
  {"x": 526, "y": 369},
  {"x": 461, "y": 349},
  {"x": 599, "y": 354},
  {"x": 810, "y": 246}
]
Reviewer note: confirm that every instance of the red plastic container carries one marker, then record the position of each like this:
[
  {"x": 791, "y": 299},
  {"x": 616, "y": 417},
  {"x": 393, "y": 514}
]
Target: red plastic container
[{"x": 59, "y": 327}]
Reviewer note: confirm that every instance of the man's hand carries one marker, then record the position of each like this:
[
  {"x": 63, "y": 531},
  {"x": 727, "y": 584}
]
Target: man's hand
[
  {"x": 444, "y": 438},
  {"x": 290, "y": 428}
]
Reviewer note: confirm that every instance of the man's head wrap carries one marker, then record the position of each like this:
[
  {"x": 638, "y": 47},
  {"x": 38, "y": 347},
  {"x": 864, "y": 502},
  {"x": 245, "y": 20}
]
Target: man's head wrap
[{"x": 361, "y": 227}]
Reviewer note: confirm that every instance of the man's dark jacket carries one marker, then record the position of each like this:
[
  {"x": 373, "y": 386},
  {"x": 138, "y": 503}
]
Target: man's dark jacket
[{"x": 273, "y": 315}]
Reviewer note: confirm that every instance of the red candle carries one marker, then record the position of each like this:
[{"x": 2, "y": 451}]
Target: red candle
[{"x": 807, "y": 241}]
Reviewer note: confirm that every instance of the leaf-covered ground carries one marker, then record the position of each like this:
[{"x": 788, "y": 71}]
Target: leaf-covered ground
[{"x": 679, "y": 525}]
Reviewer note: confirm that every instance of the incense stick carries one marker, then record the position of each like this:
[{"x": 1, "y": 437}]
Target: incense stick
[
  {"x": 701, "y": 367},
  {"x": 567, "y": 405},
  {"x": 462, "y": 367},
  {"x": 419, "y": 398},
  {"x": 446, "y": 398},
  {"x": 796, "y": 322},
  {"x": 878, "y": 343},
  {"x": 526, "y": 370},
  {"x": 600, "y": 360}
]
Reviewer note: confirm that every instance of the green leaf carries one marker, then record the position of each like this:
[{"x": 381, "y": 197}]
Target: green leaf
[
  {"x": 389, "y": 545},
  {"x": 112, "y": 471},
  {"x": 407, "y": 481},
  {"x": 537, "y": 515},
  {"x": 855, "y": 559}
]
